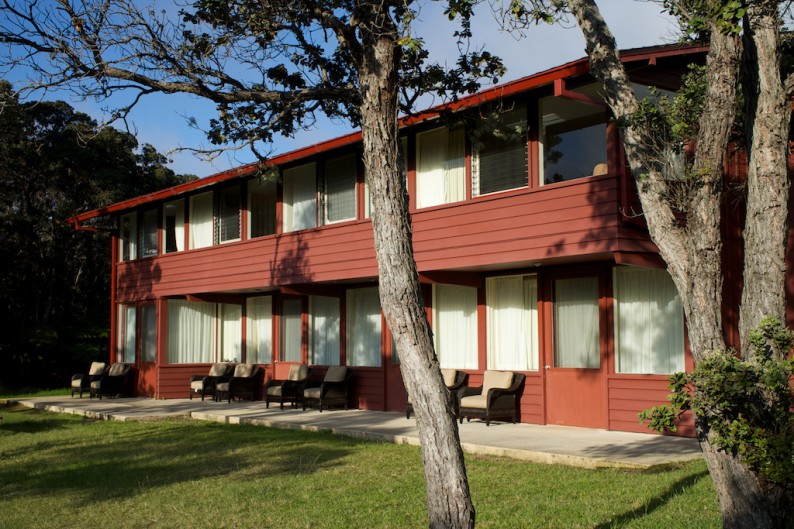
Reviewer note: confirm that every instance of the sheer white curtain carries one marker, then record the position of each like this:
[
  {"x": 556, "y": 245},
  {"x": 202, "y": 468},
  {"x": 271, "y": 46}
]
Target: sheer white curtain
[
  {"x": 441, "y": 167},
  {"x": 324, "y": 322},
  {"x": 512, "y": 322},
  {"x": 148, "y": 333},
  {"x": 363, "y": 327},
  {"x": 259, "y": 330},
  {"x": 455, "y": 326},
  {"x": 291, "y": 330},
  {"x": 231, "y": 341},
  {"x": 200, "y": 219},
  {"x": 576, "y": 337},
  {"x": 191, "y": 332},
  {"x": 649, "y": 322},
  {"x": 300, "y": 198},
  {"x": 126, "y": 333}
]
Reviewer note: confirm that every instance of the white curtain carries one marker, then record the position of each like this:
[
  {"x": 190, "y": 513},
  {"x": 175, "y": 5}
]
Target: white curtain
[
  {"x": 128, "y": 237},
  {"x": 512, "y": 320},
  {"x": 231, "y": 341},
  {"x": 455, "y": 326},
  {"x": 324, "y": 329},
  {"x": 649, "y": 322},
  {"x": 201, "y": 234},
  {"x": 576, "y": 337},
  {"x": 259, "y": 330},
  {"x": 191, "y": 332},
  {"x": 291, "y": 330},
  {"x": 148, "y": 333},
  {"x": 363, "y": 327},
  {"x": 300, "y": 198},
  {"x": 126, "y": 331},
  {"x": 441, "y": 167}
]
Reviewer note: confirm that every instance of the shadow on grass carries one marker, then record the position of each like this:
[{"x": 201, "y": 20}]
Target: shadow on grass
[
  {"x": 102, "y": 461},
  {"x": 676, "y": 489}
]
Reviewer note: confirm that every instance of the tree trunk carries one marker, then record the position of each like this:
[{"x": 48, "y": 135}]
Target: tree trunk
[
  {"x": 693, "y": 251},
  {"x": 447, "y": 489},
  {"x": 767, "y": 115}
]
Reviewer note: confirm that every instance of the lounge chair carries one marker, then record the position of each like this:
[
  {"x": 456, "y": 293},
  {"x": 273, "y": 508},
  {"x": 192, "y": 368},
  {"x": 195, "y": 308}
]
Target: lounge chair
[
  {"x": 205, "y": 384},
  {"x": 496, "y": 398},
  {"x": 242, "y": 383},
  {"x": 113, "y": 383},
  {"x": 290, "y": 389},
  {"x": 82, "y": 382},
  {"x": 333, "y": 391},
  {"x": 454, "y": 380}
]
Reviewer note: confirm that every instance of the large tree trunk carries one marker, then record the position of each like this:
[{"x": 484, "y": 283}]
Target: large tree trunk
[
  {"x": 693, "y": 250},
  {"x": 447, "y": 489}
]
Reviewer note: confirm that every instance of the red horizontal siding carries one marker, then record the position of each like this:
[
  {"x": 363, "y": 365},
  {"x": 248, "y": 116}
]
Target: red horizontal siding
[{"x": 627, "y": 396}]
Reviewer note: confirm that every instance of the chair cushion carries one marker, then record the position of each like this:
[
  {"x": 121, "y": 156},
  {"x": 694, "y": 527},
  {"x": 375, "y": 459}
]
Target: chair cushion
[
  {"x": 218, "y": 370},
  {"x": 274, "y": 391},
  {"x": 96, "y": 384},
  {"x": 197, "y": 385},
  {"x": 475, "y": 401},
  {"x": 496, "y": 379},
  {"x": 298, "y": 372},
  {"x": 76, "y": 383},
  {"x": 244, "y": 370},
  {"x": 311, "y": 393},
  {"x": 222, "y": 387},
  {"x": 449, "y": 376},
  {"x": 117, "y": 369},
  {"x": 335, "y": 374},
  {"x": 97, "y": 368}
]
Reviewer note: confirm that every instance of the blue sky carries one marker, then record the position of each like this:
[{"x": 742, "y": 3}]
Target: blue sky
[{"x": 161, "y": 119}]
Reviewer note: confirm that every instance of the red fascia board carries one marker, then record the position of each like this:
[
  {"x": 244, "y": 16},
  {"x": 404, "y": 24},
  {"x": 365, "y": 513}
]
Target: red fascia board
[{"x": 570, "y": 69}]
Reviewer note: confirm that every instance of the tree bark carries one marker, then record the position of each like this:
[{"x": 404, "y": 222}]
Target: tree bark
[
  {"x": 693, "y": 250},
  {"x": 447, "y": 489},
  {"x": 767, "y": 115}
]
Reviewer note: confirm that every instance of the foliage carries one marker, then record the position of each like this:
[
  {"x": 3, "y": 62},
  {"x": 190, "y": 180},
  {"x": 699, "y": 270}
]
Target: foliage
[
  {"x": 54, "y": 285},
  {"x": 747, "y": 403}
]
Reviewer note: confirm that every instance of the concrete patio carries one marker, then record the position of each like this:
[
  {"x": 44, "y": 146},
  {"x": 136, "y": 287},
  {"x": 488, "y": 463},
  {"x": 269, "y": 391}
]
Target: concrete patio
[{"x": 581, "y": 447}]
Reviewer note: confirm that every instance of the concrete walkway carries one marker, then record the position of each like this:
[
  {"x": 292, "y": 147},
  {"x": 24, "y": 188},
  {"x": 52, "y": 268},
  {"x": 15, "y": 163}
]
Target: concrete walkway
[{"x": 581, "y": 447}]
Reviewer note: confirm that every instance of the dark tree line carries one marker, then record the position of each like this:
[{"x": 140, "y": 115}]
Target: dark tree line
[{"x": 56, "y": 162}]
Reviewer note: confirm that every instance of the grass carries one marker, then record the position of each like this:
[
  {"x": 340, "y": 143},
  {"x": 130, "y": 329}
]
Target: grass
[
  {"x": 6, "y": 393},
  {"x": 68, "y": 471}
]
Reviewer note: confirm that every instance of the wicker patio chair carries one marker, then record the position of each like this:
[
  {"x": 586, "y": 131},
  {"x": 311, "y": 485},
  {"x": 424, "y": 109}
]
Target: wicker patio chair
[
  {"x": 205, "y": 384},
  {"x": 113, "y": 383},
  {"x": 289, "y": 389},
  {"x": 243, "y": 383},
  {"x": 82, "y": 382},
  {"x": 454, "y": 380},
  {"x": 496, "y": 398},
  {"x": 333, "y": 391}
]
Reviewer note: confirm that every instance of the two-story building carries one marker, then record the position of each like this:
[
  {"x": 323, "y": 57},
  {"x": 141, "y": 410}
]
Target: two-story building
[{"x": 528, "y": 237}]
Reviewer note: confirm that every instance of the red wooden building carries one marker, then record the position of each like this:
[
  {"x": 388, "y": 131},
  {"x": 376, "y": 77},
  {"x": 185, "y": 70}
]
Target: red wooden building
[{"x": 529, "y": 245}]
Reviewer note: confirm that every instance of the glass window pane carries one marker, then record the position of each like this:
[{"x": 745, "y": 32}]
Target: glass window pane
[
  {"x": 128, "y": 237},
  {"x": 455, "y": 326},
  {"x": 512, "y": 322},
  {"x": 500, "y": 157},
  {"x": 572, "y": 138},
  {"x": 576, "y": 336},
  {"x": 324, "y": 324},
  {"x": 201, "y": 220},
  {"x": 148, "y": 233},
  {"x": 174, "y": 226},
  {"x": 231, "y": 329},
  {"x": 363, "y": 327},
  {"x": 261, "y": 207},
  {"x": 291, "y": 330},
  {"x": 259, "y": 330},
  {"x": 229, "y": 214},
  {"x": 440, "y": 167},
  {"x": 191, "y": 332},
  {"x": 300, "y": 198},
  {"x": 126, "y": 333},
  {"x": 148, "y": 333},
  {"x": 340, "y": 189},
  {"x": 649, "y": 322}
]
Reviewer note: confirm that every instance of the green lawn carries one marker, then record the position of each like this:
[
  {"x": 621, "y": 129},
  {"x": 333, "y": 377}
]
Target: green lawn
[
  {"x": 67, "y": 471},
  {"x": 31, "y": 392}
]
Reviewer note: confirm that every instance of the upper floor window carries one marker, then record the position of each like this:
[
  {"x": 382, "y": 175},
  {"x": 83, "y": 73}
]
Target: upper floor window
[
  {"x": 201, "y": 220},
  {"x": 174, "y": 226},
  {"x": 573, "y": 139},
  {"x": 228, "y": 222},
  {"x": 440, "y": 167},
  {"x": 128, "y": 237},
  {"x": 499, "y": 156},
  {"x": 148, "y": 233},
  {"x": 261, "y": 207},
  {"x": 339, "y": 189},
  {"x": 300, "y": 198}
]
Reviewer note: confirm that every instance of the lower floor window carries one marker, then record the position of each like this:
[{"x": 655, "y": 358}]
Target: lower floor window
[
  {"x": 148, "y": 333},
  {"x": 455, "y": 326},
  {"x": 649, "y": 322},
  {"x": 191, "y": 332},
  {"x": 512, "y": 322},
  {"x": 127, "y": 326},
  {"x": 576, "y": 323},
  {"x": 363, "y": 327},
  {"x": 324, "y": 330},
  {"x": 259, "y": 330}
]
